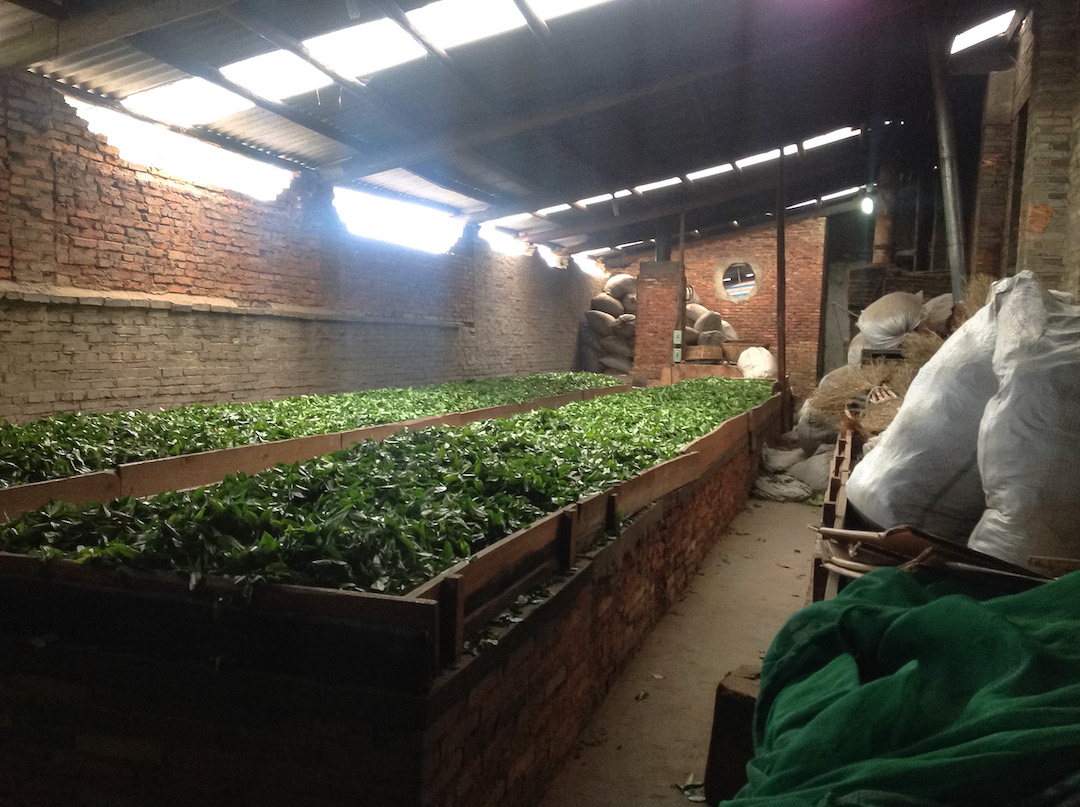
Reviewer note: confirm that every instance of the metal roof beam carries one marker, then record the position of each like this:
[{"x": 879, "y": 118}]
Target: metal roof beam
[
  {"x": 686, "y": 202},
  {"x": 54, "y": 11},
  {"x": 536, "y": 24},
  {"x": 43, "y": 40}
]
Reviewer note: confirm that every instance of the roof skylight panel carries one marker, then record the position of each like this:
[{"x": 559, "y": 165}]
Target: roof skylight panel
[
  {"x": 981, "y": 32},
  {"x": 448, "y": 23},
  {"x": 276, "y": 75},
  {"x": 187, "y": 102},
  {"x": 724, "y": 168},
  {"x": 550, "y": 9},
  {"x": 830, "y": 137},
  {"x": 757, "y": 159},
  {"x": 663, "y": 183},
  {"x": 361, "y": 50}
]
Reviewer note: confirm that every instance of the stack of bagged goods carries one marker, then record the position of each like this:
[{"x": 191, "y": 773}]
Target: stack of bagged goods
[
  {"x": 608, "y": 334},
  {"x": 788, "y": 475},
  {"x": 705, "y": 327},
  {"x": 984, "y": 449},
  {"x": 886, "y": 324}
]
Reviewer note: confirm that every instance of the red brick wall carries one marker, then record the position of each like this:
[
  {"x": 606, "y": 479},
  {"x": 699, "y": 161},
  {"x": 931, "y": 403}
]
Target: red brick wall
[
  {"x": 755, "y": 318},
  {"x": 123, "y": 287}
]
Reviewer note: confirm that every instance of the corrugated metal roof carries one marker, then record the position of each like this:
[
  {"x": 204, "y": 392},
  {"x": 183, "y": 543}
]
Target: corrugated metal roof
[{"x": 621, "y": 94}]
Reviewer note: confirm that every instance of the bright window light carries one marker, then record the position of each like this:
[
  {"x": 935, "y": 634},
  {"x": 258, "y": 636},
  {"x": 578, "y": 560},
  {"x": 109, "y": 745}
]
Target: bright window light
[
  {"x": 622, "y": 194},
  {"x": 797, "y": 205},
  {"x": 789, "y": 150},
  {"x": 592, "y": 200},
  {"x": 507, "y": 221},
  {"x": 981, "y": 32},
  {"x": 550, "y": 9},
  {"x": 184, "y": 157},
  {"x": 449, "y": 23},
  {"x": 361, "y": 50},
  {"x": 663, "y": 183},
  {"x": 586, "y": 263},
  {"x": 710, "y": 172},
  {"x": 502, "y": 242},
  {"x": 840, "y": 194},
  {"x": 187, "y": 102},
  {"x": 756, "y": 159},
  {"x": 831, "y": 137},
  {"x": 554, "y": 209},
  {"x": 404, "y": 223},
  {"x": 629, "y": 244},
  {"x": 276, "y": 75},
  {"x": 549, "y": 257}
]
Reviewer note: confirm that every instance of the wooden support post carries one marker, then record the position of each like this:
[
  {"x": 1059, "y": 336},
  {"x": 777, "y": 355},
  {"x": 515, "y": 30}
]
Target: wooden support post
[
  {"x": 567, "y": 538},
  {"x": 781, "y": 296},
  {"x": 451, "y": 618},
  {"x": 611, "y": 519}
]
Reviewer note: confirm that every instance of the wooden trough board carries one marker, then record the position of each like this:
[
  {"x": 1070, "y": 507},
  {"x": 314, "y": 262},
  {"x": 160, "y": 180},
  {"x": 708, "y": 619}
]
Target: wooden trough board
[{"x": 205, "y": 468}]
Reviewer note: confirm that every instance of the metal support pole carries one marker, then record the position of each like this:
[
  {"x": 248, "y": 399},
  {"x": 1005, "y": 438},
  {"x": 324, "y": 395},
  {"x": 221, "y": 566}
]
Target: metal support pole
[
  {"x": 950, "y": 178},
  {"x": 781, "y": 296}
]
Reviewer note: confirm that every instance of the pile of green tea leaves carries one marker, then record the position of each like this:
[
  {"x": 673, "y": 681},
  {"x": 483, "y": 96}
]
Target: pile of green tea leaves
[
  {"x": 387, "y": 515},
  {"x": 64, "y": 445}
]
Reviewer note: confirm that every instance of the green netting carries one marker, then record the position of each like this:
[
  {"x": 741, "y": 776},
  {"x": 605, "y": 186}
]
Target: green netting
[{"x": 901, "y": 692}]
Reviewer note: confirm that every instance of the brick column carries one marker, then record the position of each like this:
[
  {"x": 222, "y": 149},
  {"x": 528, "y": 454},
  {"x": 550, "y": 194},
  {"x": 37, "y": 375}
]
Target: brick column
[
  {"x": 1052, "y": 110},
  {"x": 658, "y": 285},
  {"x": 988, "y": 239}
]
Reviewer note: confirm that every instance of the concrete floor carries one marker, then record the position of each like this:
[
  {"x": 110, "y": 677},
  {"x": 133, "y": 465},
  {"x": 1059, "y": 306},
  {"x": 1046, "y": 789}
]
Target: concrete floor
[{"x": 652, "y": 731}]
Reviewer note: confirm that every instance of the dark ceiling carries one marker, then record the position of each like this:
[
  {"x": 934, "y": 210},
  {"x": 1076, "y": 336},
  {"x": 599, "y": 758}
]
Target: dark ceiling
[{"x": 612, "y": 97}]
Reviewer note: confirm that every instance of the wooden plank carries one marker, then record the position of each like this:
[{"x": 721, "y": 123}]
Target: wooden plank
[
  {"x": 488, "y": 562},
  {"x": 328, "y": 603},
  {"x": 103, "y": 486},
  {"x": 567, "y": 538},
  {"x": 763, "y": 413},
  {"x": 649, "y": 486},
  {"x": 600, "y": 392},
  {"x": 715, "y": 444},
  {"x": 429, "y": 589},
  {"x": 191, "y": 470},
  {"x": 591, "y": 519}
]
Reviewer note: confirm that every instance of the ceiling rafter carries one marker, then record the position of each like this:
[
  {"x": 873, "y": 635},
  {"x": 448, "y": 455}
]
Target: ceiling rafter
[
  {"x": 537, "y": 25},
  {"x": 43, "y": 40},
  {"x": 468, "y": 85},
  {"x": 54, "y": 11},
  {"x": 153, "y": 46},
  {"x": 365, "y": 93},
  {"x": 808, "y": 170}
]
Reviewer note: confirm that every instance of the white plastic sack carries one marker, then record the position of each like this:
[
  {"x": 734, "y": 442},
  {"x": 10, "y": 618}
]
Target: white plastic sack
[
  {"x": 729, "y": 330},
  {"x": 775, "y": 460},
  {"x": 936, "y": 312},
  {"x": 607, "y": 304},
  {"x": 618, "y": 286},
  {"x": 887, "y": 320},
  {"x": 709, "y": 321},
  {"x": 781, "y": 488},
  {"x": 815, "y": 429},
  {"x": 814, "y": 471},
  {"x": 694, "y": 312},
  {"x": 855, "y": 349},
  {"x": 925, "y": 471},
  {"x": 1029, "y": 438},
  {"x": 757, "y": 362}
]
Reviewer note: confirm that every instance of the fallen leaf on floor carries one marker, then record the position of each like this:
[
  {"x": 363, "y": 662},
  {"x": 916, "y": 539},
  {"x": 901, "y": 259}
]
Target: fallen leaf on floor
[
  {"x": 690, "y": 789},
  {"x": 783, "y": 566},
  {"x": 798, "y": 551},
  {"x": 658, "y": 676},
  {"x": 642, "y": 695}
]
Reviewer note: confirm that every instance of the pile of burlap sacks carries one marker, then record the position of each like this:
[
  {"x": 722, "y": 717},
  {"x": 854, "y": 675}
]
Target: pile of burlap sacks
[
  {"x": 607, "y": 334},
  {"x": 985, "y": 450}
]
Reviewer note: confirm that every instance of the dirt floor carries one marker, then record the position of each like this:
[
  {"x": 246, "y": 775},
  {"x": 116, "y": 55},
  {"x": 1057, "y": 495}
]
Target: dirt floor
[{"x": 652, "y": 731}]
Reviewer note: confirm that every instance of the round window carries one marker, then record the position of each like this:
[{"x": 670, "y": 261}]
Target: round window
[{"x": 737, "y": 279}]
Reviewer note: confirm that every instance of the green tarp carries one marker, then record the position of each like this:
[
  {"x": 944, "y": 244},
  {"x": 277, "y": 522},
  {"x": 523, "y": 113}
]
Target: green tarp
[{"x": 903, "y": 692}]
